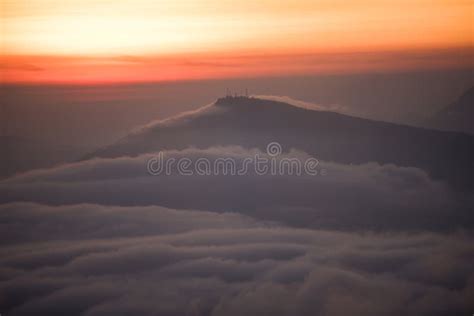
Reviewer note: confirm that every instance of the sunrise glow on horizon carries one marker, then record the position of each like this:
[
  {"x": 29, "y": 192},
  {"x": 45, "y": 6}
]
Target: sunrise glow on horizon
[{"x": 144, "y": 40}]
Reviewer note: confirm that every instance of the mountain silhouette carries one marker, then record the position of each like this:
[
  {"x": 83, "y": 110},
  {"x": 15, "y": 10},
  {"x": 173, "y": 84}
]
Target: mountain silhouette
[
  {"x": 253, "y": 123},
  {"x": 459, "y": 116}
]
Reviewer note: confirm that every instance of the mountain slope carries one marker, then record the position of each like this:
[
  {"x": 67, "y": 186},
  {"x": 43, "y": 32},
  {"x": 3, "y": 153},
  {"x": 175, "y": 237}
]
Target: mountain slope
[
  {"x": 459, "y": 116},
  {"x": 253, "y": 123}
]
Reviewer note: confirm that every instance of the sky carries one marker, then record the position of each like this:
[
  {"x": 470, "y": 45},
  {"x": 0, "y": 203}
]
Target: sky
[{"x": 89, "y": 41}]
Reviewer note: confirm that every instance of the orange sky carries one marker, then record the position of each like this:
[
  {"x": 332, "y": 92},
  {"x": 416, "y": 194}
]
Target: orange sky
[{"x": 145, "y": 40}]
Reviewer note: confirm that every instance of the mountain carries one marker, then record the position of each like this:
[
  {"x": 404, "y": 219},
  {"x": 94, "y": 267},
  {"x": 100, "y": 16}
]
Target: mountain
[
  {"x": 254, "y": 123},
  {"x": 20, "y": 154},
  {"x": 459, "y": 116}
]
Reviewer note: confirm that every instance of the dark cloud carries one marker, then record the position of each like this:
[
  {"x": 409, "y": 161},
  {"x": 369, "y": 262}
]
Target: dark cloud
[
  {"x": 20, "y": 66},
  {"x": 29, "y": 222}
]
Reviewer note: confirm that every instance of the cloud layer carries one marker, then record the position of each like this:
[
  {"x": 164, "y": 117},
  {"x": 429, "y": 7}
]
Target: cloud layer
[
  {"x": 172, "y": 262},
  {"x": 367, "y": 196}
]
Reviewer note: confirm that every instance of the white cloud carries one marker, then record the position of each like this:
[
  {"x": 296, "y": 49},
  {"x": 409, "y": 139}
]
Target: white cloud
[{"x": 308, "y": 105}]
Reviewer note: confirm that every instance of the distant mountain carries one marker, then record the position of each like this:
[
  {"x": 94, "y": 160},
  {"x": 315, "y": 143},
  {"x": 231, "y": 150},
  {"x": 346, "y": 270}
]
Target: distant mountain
[
  {"x": 329, "y": 136},
  {"x": 459, "y": 116},
  {"x": 21, "y": 154}
]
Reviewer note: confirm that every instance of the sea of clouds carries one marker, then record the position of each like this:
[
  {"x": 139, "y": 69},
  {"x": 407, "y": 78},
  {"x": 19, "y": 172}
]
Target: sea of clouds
[{"x": 105, "y": 237}]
